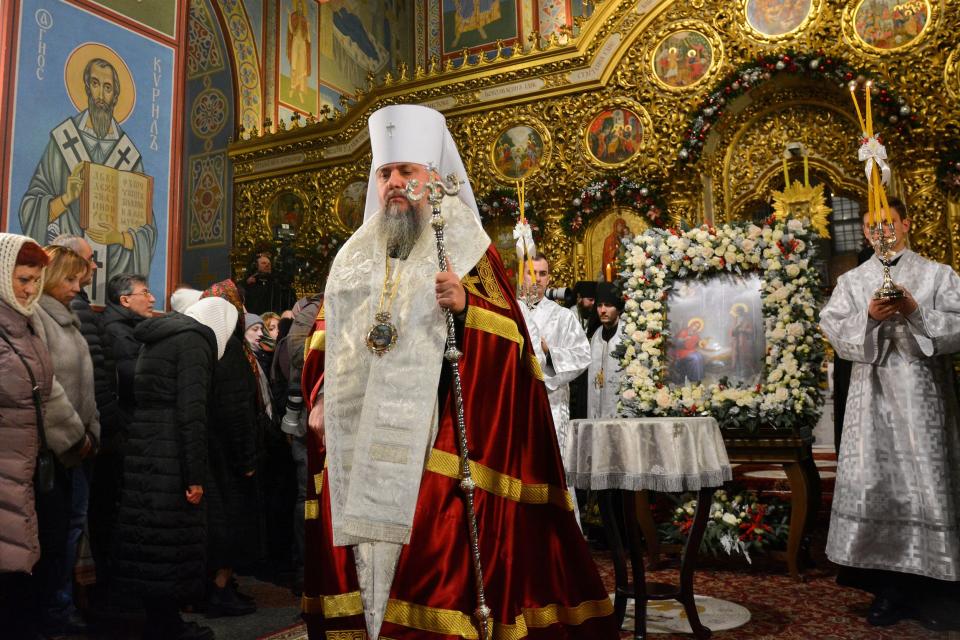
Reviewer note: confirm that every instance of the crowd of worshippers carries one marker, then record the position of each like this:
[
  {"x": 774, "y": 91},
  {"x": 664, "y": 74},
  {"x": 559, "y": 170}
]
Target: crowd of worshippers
[
  {"x": 125, "y": 399},
  {"x": 102, "y": 410}
]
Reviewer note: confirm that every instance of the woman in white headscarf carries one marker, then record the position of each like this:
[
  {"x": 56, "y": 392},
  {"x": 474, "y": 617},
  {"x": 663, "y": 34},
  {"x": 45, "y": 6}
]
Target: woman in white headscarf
[
  {"x": 25, "y": 362},
  {"x": 162, "y": 529}
]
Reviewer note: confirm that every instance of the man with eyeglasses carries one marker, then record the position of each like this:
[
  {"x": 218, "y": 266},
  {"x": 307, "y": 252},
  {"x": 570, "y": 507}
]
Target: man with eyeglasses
[{"x": 129, "y": 302}]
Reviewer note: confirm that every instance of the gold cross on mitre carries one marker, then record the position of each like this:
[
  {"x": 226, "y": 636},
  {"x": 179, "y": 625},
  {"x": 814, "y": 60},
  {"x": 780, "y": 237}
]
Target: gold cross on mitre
[{"x": 799, "y": 199}]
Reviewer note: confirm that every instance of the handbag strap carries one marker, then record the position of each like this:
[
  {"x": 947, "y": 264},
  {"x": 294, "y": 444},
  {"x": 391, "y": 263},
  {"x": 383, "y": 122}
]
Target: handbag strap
[{"x": 36, "y": 392}]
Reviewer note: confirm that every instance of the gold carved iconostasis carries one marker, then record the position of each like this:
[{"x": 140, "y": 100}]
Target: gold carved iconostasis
[{"x": 675, "y": 112}]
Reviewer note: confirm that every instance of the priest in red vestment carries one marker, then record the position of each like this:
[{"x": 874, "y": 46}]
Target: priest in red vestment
[{"x": 388, "y": 550}]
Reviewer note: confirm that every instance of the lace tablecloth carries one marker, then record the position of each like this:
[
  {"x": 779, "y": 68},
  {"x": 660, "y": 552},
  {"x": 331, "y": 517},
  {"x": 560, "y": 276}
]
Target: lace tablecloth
[{"x": 658, "y": 454}]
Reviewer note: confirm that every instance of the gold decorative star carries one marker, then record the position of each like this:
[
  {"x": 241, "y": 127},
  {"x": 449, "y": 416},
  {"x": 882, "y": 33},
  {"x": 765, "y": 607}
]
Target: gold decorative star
[{"x": 800, "y": 201}]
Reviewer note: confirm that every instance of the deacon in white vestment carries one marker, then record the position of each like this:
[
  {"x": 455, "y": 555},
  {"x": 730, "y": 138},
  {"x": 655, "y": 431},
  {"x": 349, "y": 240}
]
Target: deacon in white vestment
[
  {"x": 561, "y": 346},
  {"x": 896, "y": 505},
  {"x": 603, "y": 375}
]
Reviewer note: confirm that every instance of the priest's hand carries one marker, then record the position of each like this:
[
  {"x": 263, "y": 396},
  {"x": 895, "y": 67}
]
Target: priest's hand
[
  {"x": 315, "y": 420},
  {"x": 881, "y": 310},
  {"x": 906, "y": 305},
  {"x": 194, "y": 493},
  {"x": 450, "y": 293}
]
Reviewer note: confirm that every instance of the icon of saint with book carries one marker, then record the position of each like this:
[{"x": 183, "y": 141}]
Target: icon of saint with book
[{"x": 90, "y": 179}]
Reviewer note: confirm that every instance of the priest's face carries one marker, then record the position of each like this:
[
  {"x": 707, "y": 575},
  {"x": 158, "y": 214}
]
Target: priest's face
[
  {"x": 403, "y": 218},
  {"x": 609, "y": 314},
  {"x": 541, "y": 273},
  {"x": 392, "y": 183},
  {"x": 899, "y": 227}
]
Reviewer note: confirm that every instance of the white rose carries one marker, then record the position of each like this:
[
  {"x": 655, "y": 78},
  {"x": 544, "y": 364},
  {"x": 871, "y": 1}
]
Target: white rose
[
  {"x": 730, "y": 519},
  {"x": 795, "y": 225},
  {"x": 773, "y": 265},
  {"x": 663, "y": 398},
  {"x": 781, "y": 395},
  {"x": 749, "y": 245},
  {"x": 629, "y": 394},
  {"x": 649, "y": 305},
  {"x": 793, "y": 270},
  {"x": 795, "y": 329}
]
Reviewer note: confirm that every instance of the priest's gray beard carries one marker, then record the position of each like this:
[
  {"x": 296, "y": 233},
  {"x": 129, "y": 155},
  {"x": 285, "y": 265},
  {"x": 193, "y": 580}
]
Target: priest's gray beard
[{"x": 402, "y": 223}]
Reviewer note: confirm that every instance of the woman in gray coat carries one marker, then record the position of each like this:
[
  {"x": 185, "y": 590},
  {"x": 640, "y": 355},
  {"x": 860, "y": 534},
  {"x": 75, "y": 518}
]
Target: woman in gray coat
[
  {"x": 22, "y": 263},
  {"x": 72, "y": 428}
]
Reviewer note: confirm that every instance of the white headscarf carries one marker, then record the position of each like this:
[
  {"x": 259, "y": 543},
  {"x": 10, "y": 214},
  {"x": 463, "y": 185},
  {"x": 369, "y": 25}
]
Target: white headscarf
[
  {"x": 416, "y": 134},
  {"x": 182, "y": 299},
  {"x": 10, "y": 245},
  {"x": 219, "y": 315}
]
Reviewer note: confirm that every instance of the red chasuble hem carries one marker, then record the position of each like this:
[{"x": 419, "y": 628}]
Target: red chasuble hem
[{"x": 448, "y": 622}]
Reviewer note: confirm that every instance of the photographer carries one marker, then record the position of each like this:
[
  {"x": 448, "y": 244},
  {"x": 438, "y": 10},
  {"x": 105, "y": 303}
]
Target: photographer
[{"x": 263, "y": 289}]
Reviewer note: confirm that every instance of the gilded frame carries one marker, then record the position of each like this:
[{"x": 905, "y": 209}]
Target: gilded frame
[
  {"x": 274, "y": 199},
  {"x": 854, "y": 39},
  {"x": 743, "y": 21},
  {"x": 341, "y": 194},
  {"x": 627, "y": 104},
  {"x": 697, "y": 26},
  {"x": 542, "y": 162}
]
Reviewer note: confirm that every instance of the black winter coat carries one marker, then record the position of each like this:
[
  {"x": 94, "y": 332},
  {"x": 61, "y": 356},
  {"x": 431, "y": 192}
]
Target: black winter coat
[
  {"x": 104, "y": 385},
  {"x": 119, "y": 324},
  {"x": 162, "y": 538},
  {"x": 233, "y": 525}
]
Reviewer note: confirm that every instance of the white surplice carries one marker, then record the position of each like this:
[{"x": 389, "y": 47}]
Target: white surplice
[
  {"x": 569, "y": 356},
  {"x": 602, "y": 398},
  {"x": 896, "y": 504}
]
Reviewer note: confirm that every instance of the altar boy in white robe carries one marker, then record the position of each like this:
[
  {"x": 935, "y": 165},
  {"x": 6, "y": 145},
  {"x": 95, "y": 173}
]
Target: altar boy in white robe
[
  {"x": 562, "y": 347},
  {"x": 896, "y": 505},
  {"x": 603, "y": 376}
]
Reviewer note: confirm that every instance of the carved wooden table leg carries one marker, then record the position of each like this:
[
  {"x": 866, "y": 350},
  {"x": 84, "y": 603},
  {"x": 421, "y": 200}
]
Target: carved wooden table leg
[
  {"x": 632, "y": 528},
  {"x": 799, "y": 502},
  {"x": 689, "y": 562},
  {"x": 610, "y": 516},
  {"x": 649, "y": 528}
]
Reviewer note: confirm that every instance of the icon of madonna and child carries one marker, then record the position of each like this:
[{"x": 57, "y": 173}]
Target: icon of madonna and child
[{"x": 716, "y": 329}]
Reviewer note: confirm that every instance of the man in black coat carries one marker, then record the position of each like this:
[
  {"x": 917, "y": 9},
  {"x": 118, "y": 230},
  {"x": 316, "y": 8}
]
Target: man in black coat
[
  {"x": 129, "y": 302},
  {"x": 263, "y": 291},
  {"x": 162, "y": 530}
]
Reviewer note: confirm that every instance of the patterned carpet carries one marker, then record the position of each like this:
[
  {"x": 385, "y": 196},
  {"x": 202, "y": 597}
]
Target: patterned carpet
[{"x": 778, "y": 606}]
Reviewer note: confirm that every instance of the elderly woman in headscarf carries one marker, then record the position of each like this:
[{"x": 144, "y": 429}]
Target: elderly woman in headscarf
[
  {"x": 72, "y": 427},
  {"x": 233, "y": 452},
  {"x": 26, "y": 363},
  {"x": 162, "y": 531}
]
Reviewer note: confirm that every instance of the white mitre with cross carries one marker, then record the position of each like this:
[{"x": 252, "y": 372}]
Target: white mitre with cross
[{"x": 415, "y": 134}]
